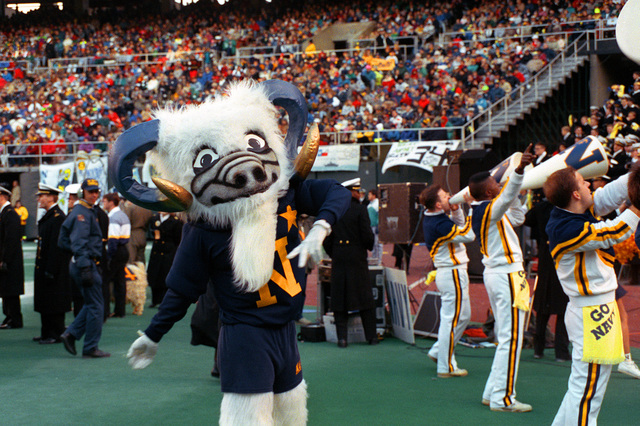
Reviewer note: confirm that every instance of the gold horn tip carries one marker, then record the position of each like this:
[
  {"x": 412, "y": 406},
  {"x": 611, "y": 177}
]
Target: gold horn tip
[
  {"x": 177, "y": 197},
  {"x": 307, "y": 156}
]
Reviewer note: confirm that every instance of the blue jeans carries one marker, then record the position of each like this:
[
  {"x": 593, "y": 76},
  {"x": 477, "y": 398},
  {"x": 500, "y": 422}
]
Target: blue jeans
[{"x": 90, "y": 318}]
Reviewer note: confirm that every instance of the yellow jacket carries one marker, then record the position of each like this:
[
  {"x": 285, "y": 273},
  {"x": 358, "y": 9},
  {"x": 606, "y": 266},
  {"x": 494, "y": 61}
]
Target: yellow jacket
[{"x": 23, "y": 213}]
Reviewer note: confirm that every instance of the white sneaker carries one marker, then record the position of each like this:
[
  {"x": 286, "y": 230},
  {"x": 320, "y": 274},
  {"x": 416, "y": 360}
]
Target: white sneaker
[
  {"x": 458, "y": 372},
  {"x": 515, "y": 407},
  {"x": 629, "y": 368}
]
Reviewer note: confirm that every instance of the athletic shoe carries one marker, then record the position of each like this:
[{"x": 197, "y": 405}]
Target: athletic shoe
[
  {"x": 629, "y": 368},
  {"x": 515, "y": 407},
  {"x": 458, "y": 372},
  {"x": 486, "y": 402}
]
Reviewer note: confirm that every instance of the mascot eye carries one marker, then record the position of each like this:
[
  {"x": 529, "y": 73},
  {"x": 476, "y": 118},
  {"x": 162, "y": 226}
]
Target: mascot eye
[
  {"x": 205, "y": 159},
  {"x": 255, "y": 143}
]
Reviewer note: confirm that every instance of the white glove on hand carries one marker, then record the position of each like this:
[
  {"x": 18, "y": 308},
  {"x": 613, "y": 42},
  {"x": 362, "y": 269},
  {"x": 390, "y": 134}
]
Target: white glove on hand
[
  {"x": 311, "y": 246},
  {"x": 142, "y": 352}
]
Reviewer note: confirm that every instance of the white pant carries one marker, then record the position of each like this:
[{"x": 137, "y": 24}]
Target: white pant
[
  {"x": 587, "y": 382},
  {"x": 455, "y": 313},
  {"x": 500, "y": 389}
]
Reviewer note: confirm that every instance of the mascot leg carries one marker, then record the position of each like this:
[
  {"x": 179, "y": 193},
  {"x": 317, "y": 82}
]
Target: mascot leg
[
  {"x": 290, "y": 408},
  {"x": 246, "y": 409}
]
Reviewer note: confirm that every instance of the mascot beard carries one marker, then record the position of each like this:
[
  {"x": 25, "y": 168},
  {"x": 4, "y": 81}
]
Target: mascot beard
[{"x": 240, "y": 185}]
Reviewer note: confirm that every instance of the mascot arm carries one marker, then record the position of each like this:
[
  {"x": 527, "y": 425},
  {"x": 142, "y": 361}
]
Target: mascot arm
[
  {"x": 323, "y": 198},
  {"x": 142, "y": 351},
  {"x": 327, "y": 200},
  {"x": 186, "y": 280},
  {"x": 173, "y": 308}
]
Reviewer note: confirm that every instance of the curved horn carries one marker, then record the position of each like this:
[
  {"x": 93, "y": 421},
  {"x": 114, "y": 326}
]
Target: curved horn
[
  {"x": 287, "y": 96},
  {"x": 306, "y": 158},
  {"x": 128, "y": 147}
]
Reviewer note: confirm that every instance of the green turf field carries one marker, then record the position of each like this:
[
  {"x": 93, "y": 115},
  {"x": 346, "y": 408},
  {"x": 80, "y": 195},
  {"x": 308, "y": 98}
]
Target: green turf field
[{"x": 389, "y": 384}]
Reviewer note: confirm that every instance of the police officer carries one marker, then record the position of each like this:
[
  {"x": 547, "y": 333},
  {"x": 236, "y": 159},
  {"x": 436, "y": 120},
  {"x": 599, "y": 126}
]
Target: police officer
[
  {"x": 11, "y": 265},
  {"x": 52, "y": 292},
  {"x": 81, "y": 235}
]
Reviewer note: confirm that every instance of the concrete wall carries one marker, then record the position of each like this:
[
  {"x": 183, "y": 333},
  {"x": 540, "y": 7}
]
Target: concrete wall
[{"x": 324, "y": 40}]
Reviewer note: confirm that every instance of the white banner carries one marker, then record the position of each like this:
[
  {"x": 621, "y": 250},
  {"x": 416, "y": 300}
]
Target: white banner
[
  {"x": 92, "y": 166},
  {"x": 399, "y": 305},
  {"x": 333, "y": 158},
  {"x": 424, "y": 155},
  {"x": 58, "y": 176}
]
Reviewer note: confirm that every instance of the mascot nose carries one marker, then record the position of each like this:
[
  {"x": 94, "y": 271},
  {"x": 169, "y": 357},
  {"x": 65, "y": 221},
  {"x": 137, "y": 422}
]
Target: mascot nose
[
  {"x": 246, "y": 175},
  {"x": 245, "y": 178}
]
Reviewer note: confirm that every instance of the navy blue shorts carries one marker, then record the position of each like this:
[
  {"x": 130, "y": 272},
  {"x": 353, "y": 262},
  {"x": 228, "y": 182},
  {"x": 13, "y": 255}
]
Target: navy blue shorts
[{"x": 258, "y": 360}]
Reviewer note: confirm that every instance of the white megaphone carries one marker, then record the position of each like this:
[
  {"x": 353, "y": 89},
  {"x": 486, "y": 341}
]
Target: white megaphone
[
  {"x": 587, "y": 156},
  {"x": 628, "y": 30},
  {"x": 500, "y": 173}
]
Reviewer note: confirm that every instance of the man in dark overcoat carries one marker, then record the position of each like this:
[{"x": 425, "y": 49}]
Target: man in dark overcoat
[
  {"x": 52, "y": 290},
  {"x": 11, "y": 262},
  {"x": 347, "y": 245},
  {"x": 167, "y": 231},
  {"x": 549, "y": 298}
]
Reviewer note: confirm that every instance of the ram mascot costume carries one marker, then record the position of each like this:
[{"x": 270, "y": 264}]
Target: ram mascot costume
[{"x": 241, "y": 185}]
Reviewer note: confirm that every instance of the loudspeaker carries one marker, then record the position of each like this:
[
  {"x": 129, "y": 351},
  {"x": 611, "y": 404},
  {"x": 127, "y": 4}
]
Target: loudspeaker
[
  {"x": 461, "y": 166},
  {"x": 399, "y": 215},
  {"x": 376, "y": 278},
  {"x": 473, "y": 161},
  {"x": 427, "y": 319}
]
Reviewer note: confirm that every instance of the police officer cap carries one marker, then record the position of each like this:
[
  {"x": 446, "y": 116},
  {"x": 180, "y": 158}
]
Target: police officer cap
[
  {"x": 352, "y": 184},
  {"x": 44, "y": 189},
  {"x": 90, "y": 185},
  {"x": 4, "y": 189}
]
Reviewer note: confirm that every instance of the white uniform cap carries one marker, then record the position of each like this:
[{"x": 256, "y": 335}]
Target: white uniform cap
[{"x": 72, "y": 188}]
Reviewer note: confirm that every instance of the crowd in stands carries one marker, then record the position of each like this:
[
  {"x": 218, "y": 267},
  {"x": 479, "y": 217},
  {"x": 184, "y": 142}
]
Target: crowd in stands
[
  {"x": 437, "y": 85},
  {"x": 616, "y": 124}
]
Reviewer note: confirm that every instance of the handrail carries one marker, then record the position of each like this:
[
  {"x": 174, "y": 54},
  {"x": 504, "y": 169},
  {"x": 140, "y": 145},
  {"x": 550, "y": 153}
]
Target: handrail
[
  {"x": 601, "y": 24},
  {"x": 371, "y": 139},
  {"x": 246, "y": 52},
  {"x": 485, "y": 119}
]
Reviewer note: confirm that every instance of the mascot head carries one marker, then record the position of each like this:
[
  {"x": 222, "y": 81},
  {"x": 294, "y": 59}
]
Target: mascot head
[
  {"x": 220, "y": 159},
  {"x": 224, "y": 162}
]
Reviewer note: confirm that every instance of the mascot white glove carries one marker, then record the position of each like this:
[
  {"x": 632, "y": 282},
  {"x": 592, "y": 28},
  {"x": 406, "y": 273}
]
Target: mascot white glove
[
  {"x": 142, "y": 352},
  {"x": 311, "y": 246}
]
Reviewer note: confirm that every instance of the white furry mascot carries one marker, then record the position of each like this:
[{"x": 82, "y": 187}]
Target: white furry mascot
[{"x": 227, "y": 166}]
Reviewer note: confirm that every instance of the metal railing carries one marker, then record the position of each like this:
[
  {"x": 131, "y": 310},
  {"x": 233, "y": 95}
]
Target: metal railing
[
  {"x": 117, "y": 60},
  {"x": 484, "y": 120},
  {"x": 153, "y": 58},
  {"x": 370, "y": 140},
  {"x": 603, "y": 31},
  {"x": 601, "y": 26},
  {"x": 34, "y": 155}
]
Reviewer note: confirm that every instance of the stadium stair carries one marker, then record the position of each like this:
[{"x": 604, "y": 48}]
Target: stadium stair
[{"x": 522, "y": 100}]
